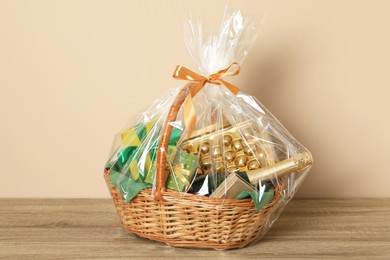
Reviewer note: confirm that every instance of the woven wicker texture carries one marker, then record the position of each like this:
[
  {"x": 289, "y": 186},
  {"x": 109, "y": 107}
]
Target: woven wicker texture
[{"x": 186, "y": 220}]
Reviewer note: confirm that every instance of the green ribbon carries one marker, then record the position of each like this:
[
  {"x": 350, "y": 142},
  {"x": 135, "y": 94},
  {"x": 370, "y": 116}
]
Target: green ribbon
[
  {"x": 133, "y": 153},
  {"x": 126, "y": 153},
  {"x": 128, "y": 187},
  {"x": 135, "y": 139},
  {"x": 267, "y": 197}
]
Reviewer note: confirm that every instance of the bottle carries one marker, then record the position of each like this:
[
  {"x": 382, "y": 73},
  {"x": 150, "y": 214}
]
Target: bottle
[
  {"x": 296, "y": 163},
  {"x": 207, "y": 184},
  {"x": 233, "y": 185}
]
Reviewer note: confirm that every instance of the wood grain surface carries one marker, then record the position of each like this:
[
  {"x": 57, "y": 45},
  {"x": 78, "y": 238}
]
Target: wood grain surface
[{"x": 90, "y": 229}]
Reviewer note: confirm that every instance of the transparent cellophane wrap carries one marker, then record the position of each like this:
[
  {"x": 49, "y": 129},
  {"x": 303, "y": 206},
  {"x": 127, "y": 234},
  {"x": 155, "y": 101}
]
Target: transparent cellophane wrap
[{"x": 238, "y": 149}]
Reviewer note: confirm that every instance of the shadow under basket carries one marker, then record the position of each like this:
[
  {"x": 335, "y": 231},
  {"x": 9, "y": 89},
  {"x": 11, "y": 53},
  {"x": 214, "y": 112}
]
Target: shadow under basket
[{"x": 187, "y": 220}]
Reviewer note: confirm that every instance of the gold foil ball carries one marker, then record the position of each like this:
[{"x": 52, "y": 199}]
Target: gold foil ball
[
  {"x": 237, "y": 145},
  {"x": 232, "y": 168},
  {"x": 229, "y": 156},
  {"x": 248, "y": 151},
  {"x": 254, "y": 147},
  {"x": 261, "y": 158},
  {"x": 199, "y": 171},
  {"x": 253, "y": 165},
  {"x": 206, "y": 163},
  {"x": 240, "y": 160},
  {"x": 219, "y": 166},
  {"x": 205, "y": 147},
  {"x": 190, "y": 147},
  {"x": 216, "y": 151},
  {"x": 227, "y": 140}
]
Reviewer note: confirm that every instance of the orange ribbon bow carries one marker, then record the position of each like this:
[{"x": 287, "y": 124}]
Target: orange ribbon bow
[{"x": 182, "y": 73}]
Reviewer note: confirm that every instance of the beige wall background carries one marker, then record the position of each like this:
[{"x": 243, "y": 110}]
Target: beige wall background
[{"x": 73, "y": 72}]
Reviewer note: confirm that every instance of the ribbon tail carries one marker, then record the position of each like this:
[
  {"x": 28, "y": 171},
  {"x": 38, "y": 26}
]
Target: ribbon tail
[
  {"x": 183, "y": 73},
  {"x": 189, "y": 109},
  {"x": 189, "y": 115},
  {"x": 231, "y": 87},
  {"x": 179, "y": 172}
]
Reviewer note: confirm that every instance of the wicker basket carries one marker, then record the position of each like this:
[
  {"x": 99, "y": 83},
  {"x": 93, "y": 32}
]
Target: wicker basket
[{"x": 187, "y": 220}]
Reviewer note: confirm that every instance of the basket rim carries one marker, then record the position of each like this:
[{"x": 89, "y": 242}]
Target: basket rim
[{"x": 173, "y": 196}]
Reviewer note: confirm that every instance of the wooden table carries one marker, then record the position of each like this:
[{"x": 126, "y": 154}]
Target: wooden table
[{"x": 90, "y": 228}]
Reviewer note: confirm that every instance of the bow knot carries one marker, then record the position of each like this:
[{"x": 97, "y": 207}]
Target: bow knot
[
  {"x": 179, "y": 170},
  {"x": 182, "y": 73}
]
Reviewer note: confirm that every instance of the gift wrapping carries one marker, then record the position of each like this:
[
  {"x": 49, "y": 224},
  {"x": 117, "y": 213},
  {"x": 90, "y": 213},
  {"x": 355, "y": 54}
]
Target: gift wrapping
[
  {"x": 243, "y": 147},
  {"x": 180, "y": 170},
  {"x": 139, "y": 152}
]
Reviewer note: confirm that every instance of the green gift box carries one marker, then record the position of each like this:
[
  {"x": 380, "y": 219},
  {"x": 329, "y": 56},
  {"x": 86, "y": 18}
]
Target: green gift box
[
  {"x": 151, "y": 173},
  {"x": 129, "y": 172},
  {"x": 180, "y": 171},
  {"x": 139, "y": 150}
]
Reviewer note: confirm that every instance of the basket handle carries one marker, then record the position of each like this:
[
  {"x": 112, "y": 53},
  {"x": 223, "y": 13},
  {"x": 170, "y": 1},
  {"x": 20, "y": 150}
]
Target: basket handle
[{"x": 161, "y": 176}]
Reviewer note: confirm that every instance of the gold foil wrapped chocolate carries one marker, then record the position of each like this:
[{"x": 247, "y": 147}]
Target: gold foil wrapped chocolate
[
  {"x": 219, "y": 166},
  {"x": 205, "y": 147},
  {"x": 229, "y": 156},
  {"x": 237, "y": 145},
  {"x": 216, "y": 151},
  {"x": 241, "y": 160},
  {"x": 248, "y": 151},
  {"x": 231, "y": 167},
  {"x": 227, "y": 140},
  {"x": 243, "y": 147},
  {"x": 199, "y": 171},
  {"x": 206, "y": 163},
  {"x": 253, "y": 164}
]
